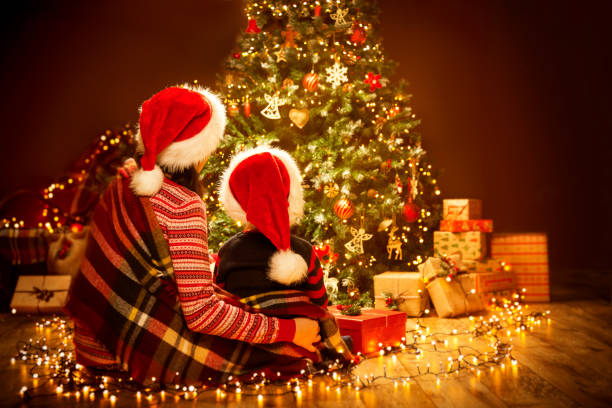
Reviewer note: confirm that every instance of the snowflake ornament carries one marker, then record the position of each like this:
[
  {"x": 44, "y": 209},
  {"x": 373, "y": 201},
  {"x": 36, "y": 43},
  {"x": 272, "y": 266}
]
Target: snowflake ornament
[{"x": 336, "y": 74}]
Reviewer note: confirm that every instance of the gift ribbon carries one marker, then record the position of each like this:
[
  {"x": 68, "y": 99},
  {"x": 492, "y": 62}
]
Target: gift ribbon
[{"x": 43, "y": 294}]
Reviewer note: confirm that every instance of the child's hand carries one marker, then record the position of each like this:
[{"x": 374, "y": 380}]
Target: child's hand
[
  {"x": 128, "y": 168},
  {"x": 306, "y": 333}
]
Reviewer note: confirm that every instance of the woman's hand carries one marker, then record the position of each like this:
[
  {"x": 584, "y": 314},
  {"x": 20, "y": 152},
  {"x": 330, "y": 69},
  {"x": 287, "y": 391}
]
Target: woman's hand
[
  {"x": 306, "y": 333},
  {"x": 128, "y": 168}
]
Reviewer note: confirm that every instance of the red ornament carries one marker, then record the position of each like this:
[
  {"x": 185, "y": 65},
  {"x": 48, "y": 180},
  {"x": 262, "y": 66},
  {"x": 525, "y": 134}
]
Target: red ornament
[
  {"x": 63, "y": 252},
  {"x": 252, "y": 27},
  {"x": 247, "y": 108},
  {"x": 344, "y": 208},
  {"x": 76, "y": 227},
  {"x": 359, "y": 36},
  {"x": 236, "y": 55},
  {"x": 317, "y": 11},
  {"x": 373, "y": 80},
  {"x": 310, "y": 81},
  {"x": 411, "y": 211}
]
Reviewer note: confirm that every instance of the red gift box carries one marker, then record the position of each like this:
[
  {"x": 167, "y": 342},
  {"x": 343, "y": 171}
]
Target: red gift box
[
  {"x": 466, "y": 225},
  {"x": 371, "y": 327},
  {"x": 527, "y": 254}
]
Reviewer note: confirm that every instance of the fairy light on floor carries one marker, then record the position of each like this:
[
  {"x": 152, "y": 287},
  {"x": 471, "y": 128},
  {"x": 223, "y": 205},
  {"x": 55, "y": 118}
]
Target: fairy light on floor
[{"x": 59, "y": 376}]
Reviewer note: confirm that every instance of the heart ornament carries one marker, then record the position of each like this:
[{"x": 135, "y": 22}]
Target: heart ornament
[{"x": 299, "y": 117}]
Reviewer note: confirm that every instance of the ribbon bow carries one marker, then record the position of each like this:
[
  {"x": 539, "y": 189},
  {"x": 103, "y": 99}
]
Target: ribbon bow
[{"x": 42, "y": 294}]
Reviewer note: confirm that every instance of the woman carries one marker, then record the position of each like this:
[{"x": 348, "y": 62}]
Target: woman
[{"x": 144, "y": 298}]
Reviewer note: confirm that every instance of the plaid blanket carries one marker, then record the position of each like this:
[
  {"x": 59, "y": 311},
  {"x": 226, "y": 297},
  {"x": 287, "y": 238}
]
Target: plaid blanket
[
  {"x": 23, "y": 246},
  {"x": 125, "y": 295}
]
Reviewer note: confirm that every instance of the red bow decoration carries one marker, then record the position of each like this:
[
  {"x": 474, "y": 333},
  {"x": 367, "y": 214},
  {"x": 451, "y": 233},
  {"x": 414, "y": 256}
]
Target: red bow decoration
[
  {"x": 323, "y": 251},
  {"x": 359, "y": 35},
  {"x": 252, "y": 27},
  {"x": 373, "y": 80}
]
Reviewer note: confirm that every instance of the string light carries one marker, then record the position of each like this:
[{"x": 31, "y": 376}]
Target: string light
[{"x": 506, "y": 315}]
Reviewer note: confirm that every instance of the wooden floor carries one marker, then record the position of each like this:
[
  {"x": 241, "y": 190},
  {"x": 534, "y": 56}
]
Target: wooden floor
[{"x": 566, "y": 362}]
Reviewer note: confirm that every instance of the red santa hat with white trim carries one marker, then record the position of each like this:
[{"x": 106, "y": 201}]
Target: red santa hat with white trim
[
  {"x": 263, "y": 186},
  {"x": 178, "y": 128}
]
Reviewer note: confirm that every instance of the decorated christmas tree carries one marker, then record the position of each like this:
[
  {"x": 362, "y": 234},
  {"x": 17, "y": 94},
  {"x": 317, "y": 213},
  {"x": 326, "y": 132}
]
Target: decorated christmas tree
[{"x": 311, "y": 77}]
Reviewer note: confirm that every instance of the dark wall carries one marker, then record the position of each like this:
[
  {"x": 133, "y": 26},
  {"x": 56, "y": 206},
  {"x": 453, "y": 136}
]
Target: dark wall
[{"x": 512, "y": 95}]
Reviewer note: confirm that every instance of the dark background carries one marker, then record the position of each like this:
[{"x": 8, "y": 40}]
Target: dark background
[{"x": 513, "y": 96}]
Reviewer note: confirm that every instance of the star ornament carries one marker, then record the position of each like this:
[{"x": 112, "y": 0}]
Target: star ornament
[
  {"x": 373, "y": 80},
  {"x": 280, "y": 55},
  {"x": 336, "y": 74}
]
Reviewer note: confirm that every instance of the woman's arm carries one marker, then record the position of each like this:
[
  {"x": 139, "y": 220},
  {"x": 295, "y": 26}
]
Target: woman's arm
[{"x": 185, "y": 229}]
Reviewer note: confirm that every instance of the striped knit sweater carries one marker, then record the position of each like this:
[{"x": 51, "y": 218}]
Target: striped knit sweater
[{"x": 182, "y": 216}]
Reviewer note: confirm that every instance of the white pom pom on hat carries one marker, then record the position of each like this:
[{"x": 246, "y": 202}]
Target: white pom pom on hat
[
  {"x": 178, "y": 128},
  {"x": 263, "y": 186}
]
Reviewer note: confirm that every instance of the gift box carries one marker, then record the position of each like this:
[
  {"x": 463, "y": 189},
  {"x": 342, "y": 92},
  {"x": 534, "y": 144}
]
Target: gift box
[
  {"x": 466, "y": 225},
  {"x": 371, "y": 327},
  {"x": 470, "y": 245},
  {"x": 433, "y": 267},
  {"x": 485, "y": 266},
  {"x": 489, "y": 282},
  {"x": 41, "y": 293},
  {"x": 407, "y": 289},
  {"x": 462, "y": 209},
  {"x": 527, "y": 255},
  {"x": 492, "y": 297},
  {"x": 454, "y": 297}
]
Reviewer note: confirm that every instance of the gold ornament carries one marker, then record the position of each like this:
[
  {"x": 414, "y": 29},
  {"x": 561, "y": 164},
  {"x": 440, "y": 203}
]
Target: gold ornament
[
  {"x": 347, "y": 87},
  {"x": 385, "y": 167},
  {"x": 233, "y": 110},
  {"x": 299, "y": 117},
  {"x": 287, "y": 82},
  {"x": 372, "y": 193},
  {"x": 280, "y": 55},
  {"x": 339, "y": 16},
  {"x": 355, "y": 245},
  {"x": 384, "y": 224},
  {"x": 271, "y": 111},
  {"x": 331, "y": 190},
  {"x": 394, "y": 243}
]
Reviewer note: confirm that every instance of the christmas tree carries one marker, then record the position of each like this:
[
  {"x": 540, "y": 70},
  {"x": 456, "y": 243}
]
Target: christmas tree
[{"x": 311, "y": 77}]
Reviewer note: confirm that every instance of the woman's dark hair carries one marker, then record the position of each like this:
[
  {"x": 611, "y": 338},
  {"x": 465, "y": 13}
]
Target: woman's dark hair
[{"x": 188, "y": 178}]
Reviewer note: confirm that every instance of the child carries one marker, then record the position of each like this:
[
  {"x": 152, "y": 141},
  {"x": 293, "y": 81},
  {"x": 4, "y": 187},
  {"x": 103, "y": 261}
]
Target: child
[{"x": 262, "y": 189}]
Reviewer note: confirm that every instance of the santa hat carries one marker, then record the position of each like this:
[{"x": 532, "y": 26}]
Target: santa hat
[
  {"x": 263, "y": 186},
  {"x": 179, "y": 127}
]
